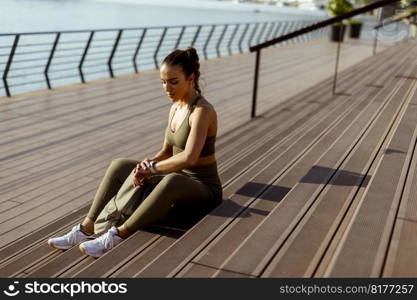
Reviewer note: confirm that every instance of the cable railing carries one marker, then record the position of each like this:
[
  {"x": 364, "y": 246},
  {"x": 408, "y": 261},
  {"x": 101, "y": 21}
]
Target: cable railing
[
  {"x": 308, "y": 30},
  {"x": 39, "y": 60}
]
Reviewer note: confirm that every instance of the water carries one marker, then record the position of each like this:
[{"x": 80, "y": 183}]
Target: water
[
  {"x": 32, "y": 54},
  {"x": 55, "y": 15}
]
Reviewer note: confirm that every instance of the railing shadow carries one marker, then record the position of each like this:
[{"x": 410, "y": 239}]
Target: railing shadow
[{"x": 318, "y": 175}]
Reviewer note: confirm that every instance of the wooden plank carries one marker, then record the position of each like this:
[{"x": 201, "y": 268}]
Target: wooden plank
[
  {"x": 63, "y": 165},
  {"x": 122, "y": 254},
  {"x": 33, "y": 251},
  {"x": 194, "y": 270},
  {"x": 76, "y": 268},
  {"x": 245, "y": 159},
  {"x": 129, "y": 269},
  {"x": 281, "y": 89},
  {"x": 401, "y": 260},
  {"x": 100, "y": 270},
  {"x": 42, "y": 220},
  {"x": 307, "y": 244},
  {"x": 67, "y": 179},
  {"x": 378, "y": 208},
  {"x": 55, "y": 265},
  {"x": 34, "y": 212},
  {"x": 162, "y": 265},
  {"x": 137, "y": 244},
  {"x": 272, "y": 231},
  {"x": 7, "y": 205},
  {"x": 290, "y": 106},
  {"x": 68, "y": 135},
  {"x": 345, "y": 223},
  {"x": 225, "y": 243},
  {"x": 69, "y": 167},
  {"x": 80, "y": 200},
  {"x": 64, "y": 153},
  {"x": 13, "y": 266},
  {"x": 267, "y": 159},
  {"x": 40, "y": 235}
]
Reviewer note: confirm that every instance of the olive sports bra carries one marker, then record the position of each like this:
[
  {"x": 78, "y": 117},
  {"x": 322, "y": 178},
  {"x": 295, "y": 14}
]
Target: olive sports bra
[{"x": 178, "y": 139}]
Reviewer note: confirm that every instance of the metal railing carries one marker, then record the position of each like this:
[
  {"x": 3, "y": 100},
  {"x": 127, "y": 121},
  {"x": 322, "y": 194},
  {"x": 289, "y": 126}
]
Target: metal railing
[
  {"x": 45, "y": 58},
  {"x": 308, "y": 30},
  {"x": 389, "y": 22}
]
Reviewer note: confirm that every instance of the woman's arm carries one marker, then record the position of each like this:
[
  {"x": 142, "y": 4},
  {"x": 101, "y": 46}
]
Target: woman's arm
[{"x": 164, "y": 153}]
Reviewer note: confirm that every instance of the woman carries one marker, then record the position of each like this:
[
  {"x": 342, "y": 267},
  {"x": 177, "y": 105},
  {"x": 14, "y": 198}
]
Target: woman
[{"x": 184, "y": 171}]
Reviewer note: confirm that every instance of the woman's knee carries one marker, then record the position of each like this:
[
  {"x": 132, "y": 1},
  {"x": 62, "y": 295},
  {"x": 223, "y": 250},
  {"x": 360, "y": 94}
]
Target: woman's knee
[
  {"x": 121, "y": 163},
  {"x": 182, "y": 189},
  {"x": 120, "y": 168},
  {"x": 171, "y": 181}
]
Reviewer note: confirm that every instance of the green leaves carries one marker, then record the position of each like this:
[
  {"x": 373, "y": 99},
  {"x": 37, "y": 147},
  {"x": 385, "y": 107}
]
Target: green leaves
[{"x": 339, "y": 7}]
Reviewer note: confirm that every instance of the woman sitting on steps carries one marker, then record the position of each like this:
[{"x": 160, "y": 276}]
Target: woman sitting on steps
[{"x": 184, "y": 172}]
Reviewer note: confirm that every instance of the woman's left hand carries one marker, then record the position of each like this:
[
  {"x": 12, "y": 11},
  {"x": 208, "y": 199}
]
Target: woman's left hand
[
  {"x": 145, "y": 172},
  {"x": 140, "y": 174}
]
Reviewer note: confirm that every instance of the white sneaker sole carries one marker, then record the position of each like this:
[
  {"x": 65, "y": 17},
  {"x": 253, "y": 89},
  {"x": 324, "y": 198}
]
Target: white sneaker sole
[
  {"x": 58, "y": 247},
  {"x": 84, "y": 251}
]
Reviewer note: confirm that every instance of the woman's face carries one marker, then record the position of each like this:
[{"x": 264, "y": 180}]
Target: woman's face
[{"x": 174, "y": 82}]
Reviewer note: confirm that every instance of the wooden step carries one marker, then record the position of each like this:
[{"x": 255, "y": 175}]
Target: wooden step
[
  {"x": 311, "y": 238},
  {"x": 274, "y": 230},
  {"x": 187, "y": 245},
  {"x": 371, "y": 227}
]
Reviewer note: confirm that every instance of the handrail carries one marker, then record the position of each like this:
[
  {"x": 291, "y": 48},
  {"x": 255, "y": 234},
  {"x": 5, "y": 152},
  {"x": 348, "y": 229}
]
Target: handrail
[
  {"x": 325, "y": 23},
  {"x": 124, "y": 28},
  {"x": 137, "y": 45},
  {"x": 296, "y": 33}
]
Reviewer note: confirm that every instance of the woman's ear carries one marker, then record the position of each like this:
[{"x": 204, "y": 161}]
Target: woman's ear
[{"x": 191, "y": 77}]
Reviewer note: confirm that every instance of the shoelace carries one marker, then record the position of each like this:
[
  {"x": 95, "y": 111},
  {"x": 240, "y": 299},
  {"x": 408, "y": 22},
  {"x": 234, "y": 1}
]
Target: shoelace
[
  {"x": 106, "y": 240},
  {"x": 70, "y": 236}
]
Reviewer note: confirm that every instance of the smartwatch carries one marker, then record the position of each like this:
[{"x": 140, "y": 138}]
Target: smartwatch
[{"x": 152, "y": 167}]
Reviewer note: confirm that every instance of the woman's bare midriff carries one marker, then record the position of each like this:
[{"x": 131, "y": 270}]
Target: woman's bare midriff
[{"x": 204, "y": 161}]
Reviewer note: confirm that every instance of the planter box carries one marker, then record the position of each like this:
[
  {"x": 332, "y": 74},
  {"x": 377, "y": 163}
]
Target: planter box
[
  {"x": 335, "y": 34},
  {"x": 355, "y": 30}
]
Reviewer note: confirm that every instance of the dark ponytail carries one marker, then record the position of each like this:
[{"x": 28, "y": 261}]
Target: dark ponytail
[{"x": 189, "y": 61}]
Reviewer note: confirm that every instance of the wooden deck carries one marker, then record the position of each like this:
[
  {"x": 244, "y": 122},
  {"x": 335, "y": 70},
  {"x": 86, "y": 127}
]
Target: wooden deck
[{"x": 316, "y": 186}]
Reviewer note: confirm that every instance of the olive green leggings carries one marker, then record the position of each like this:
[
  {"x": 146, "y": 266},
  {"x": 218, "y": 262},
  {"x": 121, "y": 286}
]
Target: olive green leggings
[{"x": 173, "y": 188}]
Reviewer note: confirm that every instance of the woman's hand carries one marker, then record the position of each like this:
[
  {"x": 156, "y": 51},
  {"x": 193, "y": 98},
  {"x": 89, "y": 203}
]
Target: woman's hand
[
  {"x": 140, "y": 174},
  {"x": 145, "y": 164},
  {"x": 137, "y": 179}
]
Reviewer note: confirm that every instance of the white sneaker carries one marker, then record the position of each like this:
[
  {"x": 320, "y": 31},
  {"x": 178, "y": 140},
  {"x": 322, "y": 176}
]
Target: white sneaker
[
  {"x": 72, "y": 238},
  {"x": 102, "y": 244}
]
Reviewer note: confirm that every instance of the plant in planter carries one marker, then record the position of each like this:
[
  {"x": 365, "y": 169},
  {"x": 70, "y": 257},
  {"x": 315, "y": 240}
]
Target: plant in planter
[
  {"x": 355, "y": 27},
  {"x": 337, "y": 8}
]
